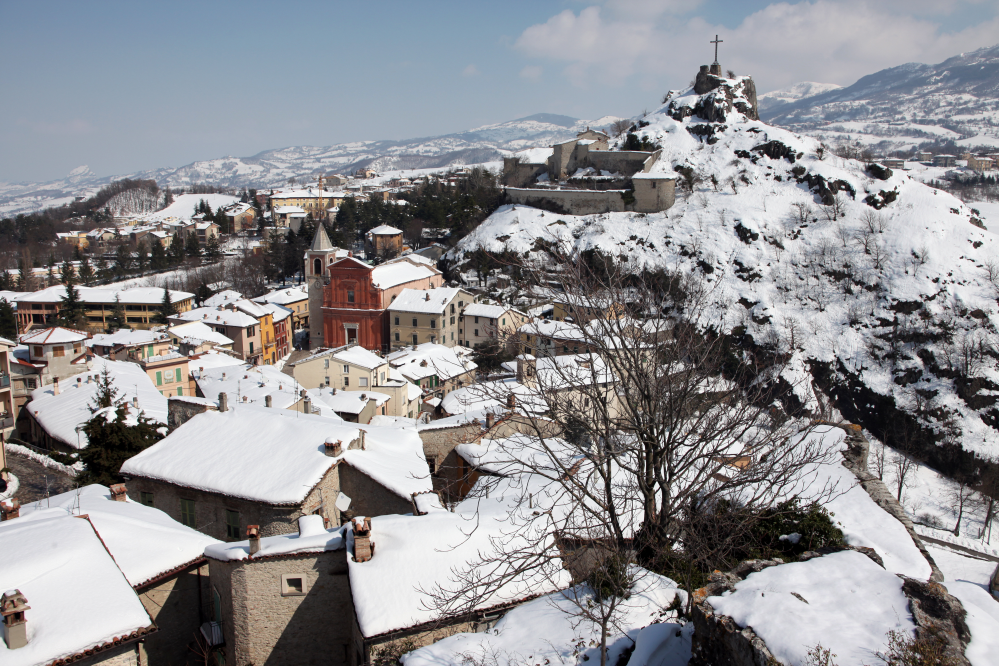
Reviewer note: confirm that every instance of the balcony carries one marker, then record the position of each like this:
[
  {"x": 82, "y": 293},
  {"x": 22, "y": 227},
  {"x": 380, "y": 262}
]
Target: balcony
[{"x": 4, "y": 380}]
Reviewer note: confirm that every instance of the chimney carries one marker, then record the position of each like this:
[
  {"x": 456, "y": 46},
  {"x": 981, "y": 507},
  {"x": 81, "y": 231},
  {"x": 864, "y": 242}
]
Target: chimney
[
  {"x": 364, "y": 549},
  {"x": 10, "y": 509},
  {"x": 333, "y": 447},
  {"x": 223, "y": 376},
  {"x": 223, "y": 402},
  {"x": 118, "y": 492},
  {"x": 364, "y": 445},
  {"x": 423, "y": 363},
  {"x": 135, "y": 402},
  {"x": 511, "y": 401},
  {"x": 79, "y": 382},
  {"x": 428, "y": 296},
  {"x": 490, "y": 420},
  {"x": 55, "y": 386},
  {"x": 253, "y": 534},
  {"x": 15, "y": 625},
  {"x": 246, "y": 398},
  {"x": 267, "y": 401},
  {"x": 307, "y": 405},
  {"x": 302, "y": 393}
]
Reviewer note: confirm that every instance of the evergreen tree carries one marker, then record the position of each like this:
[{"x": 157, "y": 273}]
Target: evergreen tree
[
  {"x": 103, "y": 272},
  {"x": 192, "y": 247},
  {"x": 212, "y": 249},
  {"x": 7, "y": 283},
  {"x": 167, "y": 309},
  {"x": 77, "y": 255},
  {"x": 157, "y": 255},
  {"x": 123, "y": 260},
  {"x": 141, "y": 256},
  {"x": 202, "y": 294},
  {"x": 68, "y": 273},
  {"x": 86, "y": 272},
  {"x": 52, "y": 260},
  {"x": 72, "y": 310},
  {"x": 117, "y": 318},
  {"x": 112, "y": 441},
  {"x": 23, "y": 276},
  {"x": 8, "y": 320},
  {"x": 51, "y": 279},
  {"x": 175, "y": 252}
]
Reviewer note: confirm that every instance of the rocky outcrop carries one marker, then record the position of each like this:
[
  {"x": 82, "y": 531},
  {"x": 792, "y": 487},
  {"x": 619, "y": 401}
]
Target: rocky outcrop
[
  {"x": 855, "y": 460},
  {"x": 939, "y": 615},
  {"x": 718, "y": 96}
]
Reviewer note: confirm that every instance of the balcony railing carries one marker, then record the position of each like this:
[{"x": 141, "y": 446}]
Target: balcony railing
[{"x": 4, "y": 380}]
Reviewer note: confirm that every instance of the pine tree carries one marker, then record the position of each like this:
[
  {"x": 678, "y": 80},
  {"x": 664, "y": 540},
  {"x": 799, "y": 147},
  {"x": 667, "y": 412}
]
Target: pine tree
[
  {"x": 212, "y": 249},
  {"x": 8, "y": 320},
  {"x": 123, "y": 260},
  {"x": 103, "y": 273},
  {"x": 175, "y": 252},
  {"x": 110, "y": 442},
  {"x": 51, "y": 278},
  {"x": 72, "y": 310},
  {"x": 117, "y": 319},
  {"x": 22, "y": 275},
  {"x": 68, "y": 273},
  {"x": 86, "y": 272},
  {"x": 202, "y": 293},
  {"x": 192, "y": 247},
  {"x": 167, "y": 309},
  {"x": 77, "y": 255},
  {"x": 7, "y": 283},
  {"x": 141, "y": 256},
  {"x": 157, "y": 256}
]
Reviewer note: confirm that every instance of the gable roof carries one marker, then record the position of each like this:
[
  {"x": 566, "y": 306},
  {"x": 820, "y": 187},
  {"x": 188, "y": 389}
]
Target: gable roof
[
  {"x": 53, "y": 336},
  {"x": 425, "y": 301},
  {"x": 384, "y": 230}
]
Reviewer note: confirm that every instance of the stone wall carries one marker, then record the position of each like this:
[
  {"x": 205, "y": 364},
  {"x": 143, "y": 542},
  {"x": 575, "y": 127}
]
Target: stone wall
[
  {"x": 262, "y": 626},
  {"x": 654, "y": 194},
  {"x": 175, "y": 606},
  {"x": 520, "y": 174},
  {"x": 181, "y": 411},
  {"x": 571, "y": 202},
  {"x": 367, "y": 496},
  {"x": 122, "y": 655},
  {"x": 625, "y": 162}
]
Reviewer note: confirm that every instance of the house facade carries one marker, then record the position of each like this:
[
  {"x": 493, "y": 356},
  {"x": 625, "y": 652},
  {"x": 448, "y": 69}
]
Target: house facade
[{"x": 417, "y": 316}]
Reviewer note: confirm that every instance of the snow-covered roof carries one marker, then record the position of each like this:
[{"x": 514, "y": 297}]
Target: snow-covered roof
[
  {"x": 393, "y": 273},
  {"x": 133, "y": 295},
  {"x": 251, "y": 308},
  {"x": 352, "y": 354},
  {"x": 384, "y": 230},
  {"x": 312, "y": 537},
  {"x": 218, "y": 316},
  {"x": 425, "y": 301},
  {"x": 126, "y": 337},
  {"x": 289, "y": 210},
  {"x": 303, "y": 194},
  {"x": 551, "y": 328},
  {"x": 61, "y": 567},
  {"x": 222, "y": 298},
  {"x": 62, "y": 414},
  {"x": 144, "y": 542},
  {"x": 278, "y": 312},
  {"x": 486, "y": 310},
  {"x": 249, "y": 384},
  {"x": 345, "y": 402},
  {"x": 213, "y": 359},
  {"x": 430, "y": 359},
  {"x": 284, "y": 296},
  {"x": 221, "y": 452},
  {"x": 197, "y": 332},
  {"x": 53, "y": 336}
]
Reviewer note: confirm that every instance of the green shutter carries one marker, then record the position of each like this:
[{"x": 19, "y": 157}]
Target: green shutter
[
  {"x": 159, "y": 378},
  {"x": 149, "y": 350},
  {"x": 180, "y": 390},
  {"x": 178, "y": 374}
]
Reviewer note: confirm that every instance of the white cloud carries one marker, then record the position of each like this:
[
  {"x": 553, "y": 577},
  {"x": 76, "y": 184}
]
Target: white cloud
[
  {"x": 471, "y": 70},
  {"x": 835, "y": 41},
  {"x": 532, "y": 72}
]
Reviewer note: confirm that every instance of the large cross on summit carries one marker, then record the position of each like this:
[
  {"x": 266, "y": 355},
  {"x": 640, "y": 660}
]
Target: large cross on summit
[{"x": 716, "y": 43}]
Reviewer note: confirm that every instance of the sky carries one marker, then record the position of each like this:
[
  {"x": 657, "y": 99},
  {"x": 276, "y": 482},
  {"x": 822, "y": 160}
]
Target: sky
[{"x": 127, "y": 86}]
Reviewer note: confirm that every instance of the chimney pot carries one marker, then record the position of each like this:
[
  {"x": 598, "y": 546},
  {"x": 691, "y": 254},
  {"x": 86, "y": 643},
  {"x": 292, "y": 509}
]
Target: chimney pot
[
  {"x": 307, "y": 406},
  {"x": 245, "y": 398},
  {"x": 79, "y": 381},
  {"x": 10, "y": 508},
  {"x": 333, "y": 448},
  {"x": 119, "y": 492},
  {"x": 268, "y": 402},
  {"x": 223, "y": 402},
  {"x": 364, "y": 549},
  {"x": 15, "y": 628},
  {"x": 253, "y": 534},
  {"x": 55, "y": 386}
]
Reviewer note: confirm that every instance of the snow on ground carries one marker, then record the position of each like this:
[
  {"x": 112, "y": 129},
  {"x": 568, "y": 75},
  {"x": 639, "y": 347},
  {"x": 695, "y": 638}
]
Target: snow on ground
[
  {"x": 548, "y": 631},
  {"x": 828, "y": 285},
  {"x": 843, "y": 601},
  {"x": 183, "y": 206}
]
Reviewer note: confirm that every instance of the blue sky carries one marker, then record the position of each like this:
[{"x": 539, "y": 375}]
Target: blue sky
[{"x": 125, "y": 86}]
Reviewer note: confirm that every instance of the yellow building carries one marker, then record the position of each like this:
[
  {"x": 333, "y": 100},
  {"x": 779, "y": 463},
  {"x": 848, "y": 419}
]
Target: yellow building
[
  {"x": 142, "y": 306},
  {"x": 268, "y": 341}
]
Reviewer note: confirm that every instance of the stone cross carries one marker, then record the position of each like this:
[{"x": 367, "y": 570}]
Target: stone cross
[{"x": 716, "y": 43}]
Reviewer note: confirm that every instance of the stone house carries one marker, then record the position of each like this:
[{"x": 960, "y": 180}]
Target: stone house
[
  {"x": 384, "y": 241},
  {"x": 196, "y": 337},
  {"x": 481, "y": 323},
  {"x": 436, "y": 369},
  {"x": 283, "y": 598},
  {"x": 207, "y": 474},
  {"x": 417, "y": 316},
  {"x": 241, "y": 217},
  {"x": 50, "y": 353},
  {"x": 244, "y": 330}
]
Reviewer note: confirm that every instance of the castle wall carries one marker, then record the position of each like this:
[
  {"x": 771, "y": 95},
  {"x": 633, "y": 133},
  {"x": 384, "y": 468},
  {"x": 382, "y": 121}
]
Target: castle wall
[
  {"x": 519, "y": 174},
  {"x": 573, "y": 202},
  {"x": 628, "y": 163},
  {"x": 654, "y": 194}
]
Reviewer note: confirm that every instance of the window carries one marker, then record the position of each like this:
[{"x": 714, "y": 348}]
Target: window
[
  {"x": 149, "y": 350},
  {"x": 292, "y": 585},
  {"x": 452, "y": 308},
  {"x": 232, "y": 524},
  {"x": 327, "y": 381},
  {"x": 350, "y": 295},
  {"x": 414, "y": 340},
  {"x": 397, "y": 336},
  {"x": 146, "y": 498},
  {"x": 432, "y": 464},
  {"x": 461, "y": 304},
  {"x": 476, "y": 320},
  {"x": 452, "y": 321},
  {"x": 159, "y": 378},
  {"x": 251, "y": 346},
  {"x": 363, "y": 381},
  {"x": 346, "y": 382},
  {"x": 476, "y": 331},
  {"x": 504, "y": 321},
  {"x": 326, "y": 364},
  {"x": 187, "y": 516},
  {"x": 383, "y": 374},
  {"x": 346, "y": 369},
  {"x": 77, "y": 347},
  {"x": 58, "y": 351},
  {"x": 414, "y": 321},
  {"x": 396, "y": 321},
  {"x": 433, "y": 323},
  {"x": 39, "y": 351}
]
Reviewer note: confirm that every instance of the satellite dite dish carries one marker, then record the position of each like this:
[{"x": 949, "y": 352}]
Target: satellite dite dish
[{"x": 342, "y": 502}]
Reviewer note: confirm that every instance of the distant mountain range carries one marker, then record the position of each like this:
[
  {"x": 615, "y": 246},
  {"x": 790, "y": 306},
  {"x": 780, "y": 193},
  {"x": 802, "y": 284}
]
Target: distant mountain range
[
  {"x": 273, "y": 168},
  {"x": 901, "y": 107}
]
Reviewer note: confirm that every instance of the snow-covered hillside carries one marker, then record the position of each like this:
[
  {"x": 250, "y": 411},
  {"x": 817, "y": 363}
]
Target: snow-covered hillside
[
  {"x": 902, "y": 107},
  {"x": 793, "y": 93},
  {"x": 876, "y": 282},
  {"x": 273, "y": 168}
]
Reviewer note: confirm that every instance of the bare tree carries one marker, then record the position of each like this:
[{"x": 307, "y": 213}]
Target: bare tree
[
  {"x": 802, "y": 212},
  {"x": 619, "y": 127},
  {"x": 656, "y": 420},
  {"x": 959, "y": 497}
]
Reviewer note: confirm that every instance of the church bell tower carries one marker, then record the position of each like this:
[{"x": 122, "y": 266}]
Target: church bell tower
[{"x": 317, "y": 258}]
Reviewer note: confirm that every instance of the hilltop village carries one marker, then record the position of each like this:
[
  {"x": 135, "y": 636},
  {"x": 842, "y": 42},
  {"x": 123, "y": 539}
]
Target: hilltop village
[{"x": 685, "y": 390}]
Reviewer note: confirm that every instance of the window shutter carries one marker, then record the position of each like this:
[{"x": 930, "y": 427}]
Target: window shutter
[
  {"x": 159, "y": 378},
  {"x": 178, "y": 374},
  {"x": 180, "y": 390}
]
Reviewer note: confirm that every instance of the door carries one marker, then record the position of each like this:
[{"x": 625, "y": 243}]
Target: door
[{"x": 351, "y": 335}]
